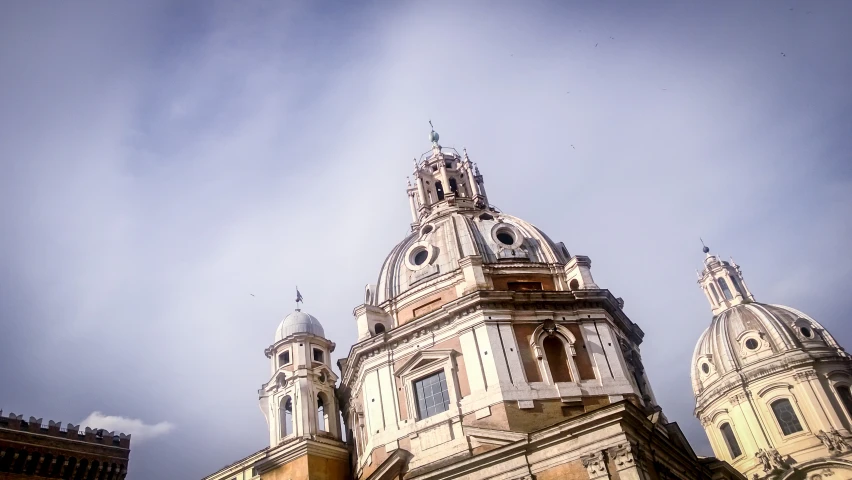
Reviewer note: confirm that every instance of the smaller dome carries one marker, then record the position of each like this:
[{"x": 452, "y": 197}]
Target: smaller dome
[{"x": 299, "y": 322}]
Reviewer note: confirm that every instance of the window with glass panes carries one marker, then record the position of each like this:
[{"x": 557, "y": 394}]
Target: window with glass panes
[
  {"x": 432, "y": 396},
  {"x": 731, "y": 440},
  {"x": 786, "y": 416},
  {"x": 846, "y": 398}
]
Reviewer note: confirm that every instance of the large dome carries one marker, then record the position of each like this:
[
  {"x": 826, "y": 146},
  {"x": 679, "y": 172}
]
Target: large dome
[
  {"x": 441, "y": 241},
  {"x": 753, "y": 332},
  {"x": 299, "y": 322}
]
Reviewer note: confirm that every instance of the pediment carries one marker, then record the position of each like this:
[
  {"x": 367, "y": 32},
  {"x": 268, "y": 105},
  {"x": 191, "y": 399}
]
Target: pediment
[{"x": 424, "y": 358}]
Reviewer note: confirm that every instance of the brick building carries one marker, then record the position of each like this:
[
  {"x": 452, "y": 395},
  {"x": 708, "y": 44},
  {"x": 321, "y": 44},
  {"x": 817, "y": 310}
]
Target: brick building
[{"x": 30, "y": 449}]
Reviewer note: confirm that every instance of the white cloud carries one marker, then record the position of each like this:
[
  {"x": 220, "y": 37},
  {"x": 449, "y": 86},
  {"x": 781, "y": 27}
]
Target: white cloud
[{"x": 140, "y": 430}]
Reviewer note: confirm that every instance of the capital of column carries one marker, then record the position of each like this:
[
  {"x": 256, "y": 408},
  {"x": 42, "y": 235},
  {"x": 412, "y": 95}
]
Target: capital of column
[{"x": 595, "y": 464}]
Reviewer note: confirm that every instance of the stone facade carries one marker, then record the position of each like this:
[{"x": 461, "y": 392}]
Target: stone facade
[
  {"x": 771, "y": 385},
  {"x": 485, "y": 351},
  {"x": 31, "y": 449}
]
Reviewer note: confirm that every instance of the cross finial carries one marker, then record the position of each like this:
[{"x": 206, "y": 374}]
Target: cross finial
[
  {"x": 704, "y": 248},
  {"x": 299, "y": 298}
]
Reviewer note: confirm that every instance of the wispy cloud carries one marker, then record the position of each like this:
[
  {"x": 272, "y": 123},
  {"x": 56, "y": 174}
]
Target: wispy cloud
[{"x": 140, "y": 430}]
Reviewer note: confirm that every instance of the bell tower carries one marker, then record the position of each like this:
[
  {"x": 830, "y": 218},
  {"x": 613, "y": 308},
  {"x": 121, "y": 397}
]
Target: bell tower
[
  {"x": 722, "y": 283},
  {"x": 300, "y": 403}
]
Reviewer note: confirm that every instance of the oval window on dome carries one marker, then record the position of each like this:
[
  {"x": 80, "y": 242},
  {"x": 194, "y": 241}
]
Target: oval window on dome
[
  {"x": 426, "y": 229},
  {"x": 420, "y": 257},
  {"x": 806, "y": 332},
  {"x": 705, "y": 368},
  {"x": 505, "y": 237},
  {"x": 751, "y": 344}
]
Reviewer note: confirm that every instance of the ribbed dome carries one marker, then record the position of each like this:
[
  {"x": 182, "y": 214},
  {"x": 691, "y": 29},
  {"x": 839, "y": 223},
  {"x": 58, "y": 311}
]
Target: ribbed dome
[
  {"x": 442, "y": 241},
  {"x": 299, "y": 322},
  {"x": 751, "y": 332}
]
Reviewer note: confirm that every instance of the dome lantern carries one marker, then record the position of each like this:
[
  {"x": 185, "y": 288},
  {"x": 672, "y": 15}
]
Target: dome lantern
[{"x": 722, "y": 283}]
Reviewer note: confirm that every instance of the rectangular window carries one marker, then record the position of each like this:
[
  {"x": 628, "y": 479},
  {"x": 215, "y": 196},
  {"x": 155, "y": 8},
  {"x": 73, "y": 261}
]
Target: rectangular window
[
  {"x": 432, "y": 396},
  {"x": 284, "y": 358},
  {"x": 731, "y": 440},
  {"x": 524, "y": 286},
  {"x": 318, "y": 355},
  {"x": 786, "y": 416}
]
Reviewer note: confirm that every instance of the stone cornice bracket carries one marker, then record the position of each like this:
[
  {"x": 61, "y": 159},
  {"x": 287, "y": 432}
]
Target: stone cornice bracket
[
  {"x": 625, "y": 455},
  {"x": 595, "y": 464},
  {"x": 806, "y": 375}
]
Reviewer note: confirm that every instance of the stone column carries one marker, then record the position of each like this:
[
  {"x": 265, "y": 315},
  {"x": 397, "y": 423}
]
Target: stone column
[
  {"x": 819, "y": 390},
  {"x": 413, "y": 206},
  {"x": 421, "y": 191},
  {"x": 805, "y": 380}
]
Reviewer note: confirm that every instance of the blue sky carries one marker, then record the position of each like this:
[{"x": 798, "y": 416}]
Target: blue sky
[{"x": 162, "y": 162}]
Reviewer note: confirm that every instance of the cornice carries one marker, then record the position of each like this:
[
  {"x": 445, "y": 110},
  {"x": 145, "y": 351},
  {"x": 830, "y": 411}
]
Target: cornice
[
  {"x": 801, "y": 361},
  {"x": 492, "y": 300},
  {"x": 298, "y": 447}
]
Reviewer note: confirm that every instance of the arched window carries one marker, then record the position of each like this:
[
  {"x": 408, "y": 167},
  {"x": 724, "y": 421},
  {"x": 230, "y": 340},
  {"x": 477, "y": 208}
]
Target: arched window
[
  {"x": 715, "y": 293},
  {"x": 557, "y": 359},
  {"x": 786, "y": 416},
  {"x": 731, "y": 440},
  {"x": 454, "y": 186},
  {"x": 724, "y": 286},
  {"x": 322, "y": 413},
  {"x": 737, "y": 286},
  {"x": 379, "y": 328},
  {"x": 439, "y": 189},
  {"x": 286, "y": 415},
  {"x": 845, "y": 398}
]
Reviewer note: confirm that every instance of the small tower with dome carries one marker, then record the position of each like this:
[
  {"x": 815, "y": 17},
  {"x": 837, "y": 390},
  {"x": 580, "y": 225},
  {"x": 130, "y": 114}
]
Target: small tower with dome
[
  {"x": 772, "y": 385},
  {"x": 299, "y": 401}
]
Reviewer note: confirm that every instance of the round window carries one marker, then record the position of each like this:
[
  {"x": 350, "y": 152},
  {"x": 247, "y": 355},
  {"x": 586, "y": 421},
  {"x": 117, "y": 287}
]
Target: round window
[
  {"x": 322, "y": 377},
  {"x": 506, "y": 238},
  {"x": 806, "y": 332},
  {"x": 751, "y": 344},
  {"x": 426, "y": 229},
  {"x": 420, "y": 257},
  {"x": 705, "y": 368}
]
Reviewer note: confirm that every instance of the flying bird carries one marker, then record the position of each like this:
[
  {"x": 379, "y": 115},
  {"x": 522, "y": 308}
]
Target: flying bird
[
  {"x": 783, "y": 54},
  {"x": 251, "y": 294},
  {"x": 596, "y": 44},
  {"x": 572, "y": 146}
]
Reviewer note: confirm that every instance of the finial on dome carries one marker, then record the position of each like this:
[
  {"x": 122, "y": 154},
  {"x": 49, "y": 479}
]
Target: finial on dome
[
  {"x": 704, "y": 248},
  {"x": 299, "y": 299},
  {"x": 433, "y": 135}
]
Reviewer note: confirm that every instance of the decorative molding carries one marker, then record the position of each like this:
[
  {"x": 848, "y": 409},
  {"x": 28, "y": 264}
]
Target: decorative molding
[
  {"x": 625, "y": 455},
  {"x": 595, "y": 464}
]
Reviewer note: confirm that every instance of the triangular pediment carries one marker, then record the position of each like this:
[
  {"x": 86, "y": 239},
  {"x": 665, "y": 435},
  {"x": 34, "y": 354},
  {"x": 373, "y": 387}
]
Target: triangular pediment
[{"x": 424, "y": 358}]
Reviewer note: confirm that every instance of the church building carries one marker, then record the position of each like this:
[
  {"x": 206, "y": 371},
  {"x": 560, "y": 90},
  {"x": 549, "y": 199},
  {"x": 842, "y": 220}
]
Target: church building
[
  {"x": 771, "y": 385},
  {"x": 485, "y": 350}
]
